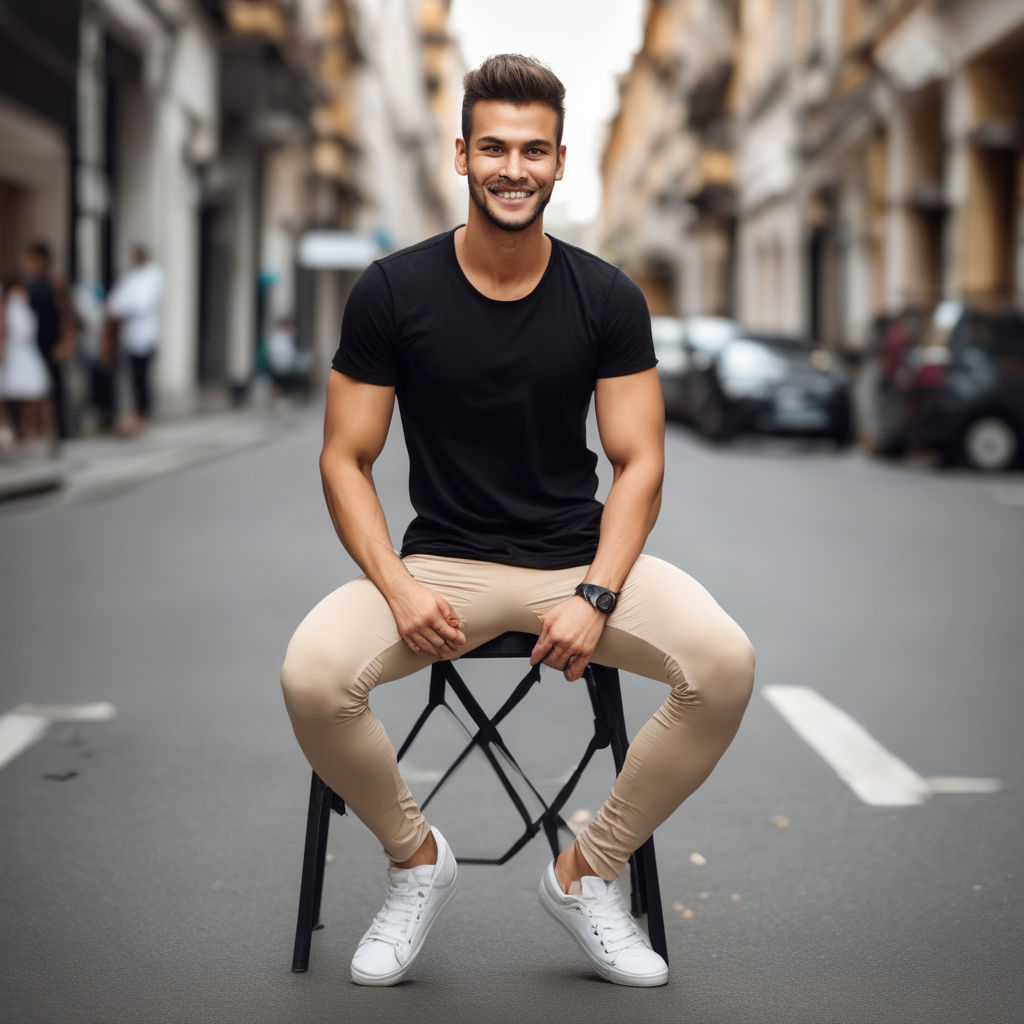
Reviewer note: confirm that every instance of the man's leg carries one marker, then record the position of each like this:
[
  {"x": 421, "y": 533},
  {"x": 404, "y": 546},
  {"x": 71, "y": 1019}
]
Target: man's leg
[
  {"x": 58, "y": 399},
  {"x": 668, "y": 627},
  {"x": 345, "y": 646},
  {"x": 336, "y": 657}
]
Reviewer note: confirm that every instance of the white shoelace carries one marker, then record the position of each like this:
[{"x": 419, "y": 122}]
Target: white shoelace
[
  {"x": 612, "y": 922},
  {"x": 401, "y": 908}
]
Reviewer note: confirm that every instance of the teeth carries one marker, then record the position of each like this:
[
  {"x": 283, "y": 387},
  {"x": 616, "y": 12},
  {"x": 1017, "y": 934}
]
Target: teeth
[{"x": 512, "y": 195}]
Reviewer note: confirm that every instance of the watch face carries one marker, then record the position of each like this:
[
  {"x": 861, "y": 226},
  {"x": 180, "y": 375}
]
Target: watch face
[{"x": 605, "y": 602}]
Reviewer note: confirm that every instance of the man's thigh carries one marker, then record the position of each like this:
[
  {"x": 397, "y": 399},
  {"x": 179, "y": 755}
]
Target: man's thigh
[
  {"x": 354, "y": 631},
  {"x": 664, "y": 623}
]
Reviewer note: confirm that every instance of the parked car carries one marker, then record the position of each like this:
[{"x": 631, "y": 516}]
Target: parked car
[
  {"x": 964, "y": 386},
  {"x": 685, "y": 348},
  {"x": 769, "y": 383}
]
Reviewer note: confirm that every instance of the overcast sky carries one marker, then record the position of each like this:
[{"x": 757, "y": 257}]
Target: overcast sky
[{"x": 586, "y": 43}]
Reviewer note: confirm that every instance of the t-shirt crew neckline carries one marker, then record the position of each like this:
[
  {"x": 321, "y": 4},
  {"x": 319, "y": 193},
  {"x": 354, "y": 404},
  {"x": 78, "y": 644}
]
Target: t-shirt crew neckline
[{"x": 502, "y": 303}]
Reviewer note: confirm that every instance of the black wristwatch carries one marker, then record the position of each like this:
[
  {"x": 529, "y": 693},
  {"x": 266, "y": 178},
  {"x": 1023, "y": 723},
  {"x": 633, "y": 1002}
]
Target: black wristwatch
[{"x": 601, "y": 598}]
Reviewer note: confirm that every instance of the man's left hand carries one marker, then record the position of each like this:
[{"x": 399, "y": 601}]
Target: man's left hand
[{"x": 568, "y": 637}]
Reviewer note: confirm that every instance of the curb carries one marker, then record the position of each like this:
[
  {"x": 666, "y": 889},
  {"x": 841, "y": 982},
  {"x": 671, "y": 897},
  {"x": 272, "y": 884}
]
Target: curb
[{"x": 24, "y": 481}]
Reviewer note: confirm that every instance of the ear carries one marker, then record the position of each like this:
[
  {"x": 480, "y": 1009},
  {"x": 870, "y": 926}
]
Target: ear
[
  {"x": 560, "y": 169},
  {"x": 461, "y": 164}
]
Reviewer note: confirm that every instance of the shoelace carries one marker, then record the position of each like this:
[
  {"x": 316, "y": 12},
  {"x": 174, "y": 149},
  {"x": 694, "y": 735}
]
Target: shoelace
[
  {"x": 401, "y": 907},
  {"x": 613, "y": 923}
]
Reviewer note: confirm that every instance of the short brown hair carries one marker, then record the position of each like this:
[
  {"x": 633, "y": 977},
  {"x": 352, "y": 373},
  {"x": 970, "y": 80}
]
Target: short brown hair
[{"x": 512, "y": 78}]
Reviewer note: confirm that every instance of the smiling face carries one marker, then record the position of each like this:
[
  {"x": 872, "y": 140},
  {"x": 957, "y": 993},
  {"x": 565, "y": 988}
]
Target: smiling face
[{"x": 512, "y": 161}]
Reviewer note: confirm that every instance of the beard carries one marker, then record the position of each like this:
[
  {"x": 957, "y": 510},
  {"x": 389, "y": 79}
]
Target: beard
[{"x": 479, "y": 194}]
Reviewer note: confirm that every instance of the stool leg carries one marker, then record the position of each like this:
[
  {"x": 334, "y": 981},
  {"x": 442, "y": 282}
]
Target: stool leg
[
  {"x": 652, "y": 898},
  {"x": 318, "y": 820}
]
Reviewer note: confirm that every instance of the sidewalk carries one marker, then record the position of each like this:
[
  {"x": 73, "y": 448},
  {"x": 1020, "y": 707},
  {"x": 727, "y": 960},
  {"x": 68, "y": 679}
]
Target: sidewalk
[{"x": 97, "y": 466}]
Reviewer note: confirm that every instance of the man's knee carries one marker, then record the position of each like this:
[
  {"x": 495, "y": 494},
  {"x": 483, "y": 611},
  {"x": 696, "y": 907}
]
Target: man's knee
[
  {"x": 317, "y": 684},
  {"x": 721, "y": 677},
  {"x": 734, "y": 670}
]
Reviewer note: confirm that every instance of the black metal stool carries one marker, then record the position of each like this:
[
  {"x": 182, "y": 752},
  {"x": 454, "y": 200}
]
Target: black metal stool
[{"x": 609, "y": 730}]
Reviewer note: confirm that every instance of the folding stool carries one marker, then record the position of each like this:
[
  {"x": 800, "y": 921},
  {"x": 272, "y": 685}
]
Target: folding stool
[{"x": 482, "y": 733}]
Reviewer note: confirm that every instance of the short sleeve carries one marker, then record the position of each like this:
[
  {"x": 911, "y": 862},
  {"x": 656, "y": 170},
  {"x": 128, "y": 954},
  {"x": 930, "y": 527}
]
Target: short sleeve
[
  {"x": 367, "y": 348},
  {"x": 626, "y": 342}
]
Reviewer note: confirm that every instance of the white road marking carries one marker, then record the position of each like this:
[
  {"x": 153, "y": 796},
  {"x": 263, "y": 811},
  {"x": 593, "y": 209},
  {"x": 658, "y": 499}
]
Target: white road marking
[
  {"x": 27, "y": 723},
  {"x": 961, "y": 784},
  {"x": 872, "y": 772}
]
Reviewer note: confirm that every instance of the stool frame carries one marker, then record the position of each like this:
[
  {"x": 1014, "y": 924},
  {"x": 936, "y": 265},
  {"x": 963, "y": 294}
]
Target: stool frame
[{"x": 605, "y": 696}]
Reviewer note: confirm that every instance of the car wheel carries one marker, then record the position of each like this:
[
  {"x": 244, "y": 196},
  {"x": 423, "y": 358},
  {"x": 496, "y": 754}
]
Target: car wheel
[{"x": 991, "y": 443}]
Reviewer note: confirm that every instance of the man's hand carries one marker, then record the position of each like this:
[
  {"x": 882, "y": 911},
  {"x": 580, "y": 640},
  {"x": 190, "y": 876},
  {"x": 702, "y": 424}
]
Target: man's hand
[
  {"x": 426, "y": 621},
  {"x": 568, "y": 637}
]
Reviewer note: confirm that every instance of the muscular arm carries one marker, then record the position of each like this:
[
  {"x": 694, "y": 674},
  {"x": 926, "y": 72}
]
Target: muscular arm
[
  {"x": 631, "y": 421},
  {"x": 355, "y": 428}
]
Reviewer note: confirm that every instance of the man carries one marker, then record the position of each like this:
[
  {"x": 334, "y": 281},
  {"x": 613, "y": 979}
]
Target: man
[
  {"x": 55, "y": 327},
  {"x": 134, "y": 304},
  {"x": 494, "y": 337}
]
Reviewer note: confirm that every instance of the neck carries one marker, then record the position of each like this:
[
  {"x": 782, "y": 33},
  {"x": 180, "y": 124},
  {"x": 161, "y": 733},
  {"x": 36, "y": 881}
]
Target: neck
[{"x": 503, "y": 257}]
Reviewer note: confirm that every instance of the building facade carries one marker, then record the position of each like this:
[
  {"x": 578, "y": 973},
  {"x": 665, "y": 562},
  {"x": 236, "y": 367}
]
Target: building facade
[
  {"x": 220, "y": 133},
  {"x": 834, "y": 160}
]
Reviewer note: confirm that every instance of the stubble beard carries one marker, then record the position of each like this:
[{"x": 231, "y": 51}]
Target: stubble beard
[{"x": 479, "y": 194}]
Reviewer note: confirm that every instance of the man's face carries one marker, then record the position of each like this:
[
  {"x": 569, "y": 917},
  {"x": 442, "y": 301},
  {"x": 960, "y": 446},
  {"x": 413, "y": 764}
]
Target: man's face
[{"x": 512, "y": 161}]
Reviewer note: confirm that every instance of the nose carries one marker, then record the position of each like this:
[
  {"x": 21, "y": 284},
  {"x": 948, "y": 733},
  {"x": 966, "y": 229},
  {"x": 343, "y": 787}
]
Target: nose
[{"x": 513, "y": 166}]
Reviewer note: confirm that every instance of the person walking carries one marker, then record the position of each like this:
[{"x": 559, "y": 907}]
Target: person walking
[
  {"x": 134, "y": 305},
  {"x": 24, "y": 380},
  {"x": 494, "y": 338},
  {"x": 55, "y": 327}
]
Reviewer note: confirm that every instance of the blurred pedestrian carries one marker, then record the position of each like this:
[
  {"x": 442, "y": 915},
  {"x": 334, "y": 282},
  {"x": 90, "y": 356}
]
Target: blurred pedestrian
[
  {"x": 495, "y": 339},
  {"x": 97, "y": 352},
  {"x": 24, "y": 380},
  {"x": 281, "y": 356},
  {"x": 134, "y": 305},
  {"x": 55, "y": 327}
]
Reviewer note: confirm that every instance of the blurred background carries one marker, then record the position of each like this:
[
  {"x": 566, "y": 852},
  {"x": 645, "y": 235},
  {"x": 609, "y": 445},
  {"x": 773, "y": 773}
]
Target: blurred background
[{"x": 838, "y": 183}]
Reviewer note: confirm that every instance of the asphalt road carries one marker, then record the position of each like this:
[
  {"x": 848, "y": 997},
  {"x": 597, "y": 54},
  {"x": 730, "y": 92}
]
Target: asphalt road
[{"x": 149, "y": 864}]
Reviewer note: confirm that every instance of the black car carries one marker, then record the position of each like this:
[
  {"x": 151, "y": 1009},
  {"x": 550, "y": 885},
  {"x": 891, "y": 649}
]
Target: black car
[
  {"x": 770, "y": 383},
  {"x": 963, "y": 386},
  {"x": 685, "y": 349}
]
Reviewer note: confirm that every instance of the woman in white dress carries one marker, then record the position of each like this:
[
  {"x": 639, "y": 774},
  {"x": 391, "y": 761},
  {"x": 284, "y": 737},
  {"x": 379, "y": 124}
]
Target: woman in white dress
[{"x": 23, "y": 376}]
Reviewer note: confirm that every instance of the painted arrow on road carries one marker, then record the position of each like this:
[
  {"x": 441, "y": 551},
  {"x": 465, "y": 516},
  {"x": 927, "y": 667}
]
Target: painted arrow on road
[
  {"x": 872, "y": 772},
  {"x": 27, "y": 723}
]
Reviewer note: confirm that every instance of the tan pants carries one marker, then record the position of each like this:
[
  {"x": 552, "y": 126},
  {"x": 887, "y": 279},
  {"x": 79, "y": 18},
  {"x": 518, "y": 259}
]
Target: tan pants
[{"x": 666, "y": 626}]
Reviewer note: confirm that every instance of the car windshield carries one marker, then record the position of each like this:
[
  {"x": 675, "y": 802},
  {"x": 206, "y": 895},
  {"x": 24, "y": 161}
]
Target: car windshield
[
  {"x": 666, "y": 330},
  {"x": 751, "y": 358},
  {"x": 710, "y": 333}
]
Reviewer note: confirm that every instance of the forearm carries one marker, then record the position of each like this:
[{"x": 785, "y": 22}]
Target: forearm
[
  {"x": 360, "y": 523},
  {"x": 630, "y": 513}
]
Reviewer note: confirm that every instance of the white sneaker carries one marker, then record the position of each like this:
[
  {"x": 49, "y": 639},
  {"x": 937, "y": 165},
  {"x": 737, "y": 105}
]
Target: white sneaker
[
  {"x": 415, "y": 896},
  {"x": 597, "y": 918}
]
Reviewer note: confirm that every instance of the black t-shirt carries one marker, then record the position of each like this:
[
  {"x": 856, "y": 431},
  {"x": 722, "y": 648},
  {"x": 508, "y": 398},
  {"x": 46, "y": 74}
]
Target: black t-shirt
[{"x": 494, "y": 396}]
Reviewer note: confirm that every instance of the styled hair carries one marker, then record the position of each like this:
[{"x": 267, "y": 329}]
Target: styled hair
[{"x": 512, "y": 78}]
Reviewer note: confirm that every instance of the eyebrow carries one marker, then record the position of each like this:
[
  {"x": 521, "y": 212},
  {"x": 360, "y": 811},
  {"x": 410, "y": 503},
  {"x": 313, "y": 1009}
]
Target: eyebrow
[{"x": 494, "y": 140}]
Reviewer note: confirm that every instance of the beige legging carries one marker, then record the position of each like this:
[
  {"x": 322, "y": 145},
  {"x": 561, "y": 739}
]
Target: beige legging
[{"x": 666, "y": 626}]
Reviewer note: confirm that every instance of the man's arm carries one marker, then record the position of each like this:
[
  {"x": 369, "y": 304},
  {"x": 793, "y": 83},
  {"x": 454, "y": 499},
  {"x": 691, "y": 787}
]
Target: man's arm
[
  {"x": 631, "y": 421},
  {"x": 355, "y": 428}
]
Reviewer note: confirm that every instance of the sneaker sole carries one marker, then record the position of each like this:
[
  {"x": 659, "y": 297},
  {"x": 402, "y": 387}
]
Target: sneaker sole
[
  {"x": 606, "y": 971},
  {"x": 385, "y": 980}
]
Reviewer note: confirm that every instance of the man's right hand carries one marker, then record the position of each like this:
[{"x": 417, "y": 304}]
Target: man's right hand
[{"x": 426, "y": 621}]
